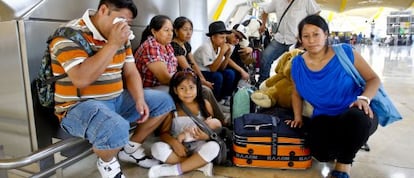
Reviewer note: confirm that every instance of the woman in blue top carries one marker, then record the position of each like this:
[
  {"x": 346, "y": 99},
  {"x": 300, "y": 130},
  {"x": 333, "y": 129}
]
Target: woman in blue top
[{"x": 342, "y": 119}]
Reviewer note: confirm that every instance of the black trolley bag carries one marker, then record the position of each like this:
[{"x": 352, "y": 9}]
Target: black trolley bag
[{"x": 263, "y": 140}]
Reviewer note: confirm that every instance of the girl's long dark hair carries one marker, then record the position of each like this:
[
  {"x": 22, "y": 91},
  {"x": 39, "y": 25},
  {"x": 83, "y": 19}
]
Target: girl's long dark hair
[
  {"x": 156, "y": 23},
  {"x": 188, "y": 74}
]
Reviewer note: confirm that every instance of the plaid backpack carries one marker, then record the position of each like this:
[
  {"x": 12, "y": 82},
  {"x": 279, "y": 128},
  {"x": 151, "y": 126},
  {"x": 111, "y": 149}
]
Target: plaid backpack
[{"x": 45, "y": 81}]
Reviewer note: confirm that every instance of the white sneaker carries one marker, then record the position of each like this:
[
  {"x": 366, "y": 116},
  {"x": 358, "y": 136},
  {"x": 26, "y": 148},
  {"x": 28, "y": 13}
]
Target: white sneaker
[
  {"x": 110, "y": 169},
  {"x": 243, "y": 83},
  {"x": 163, "y": 170},
  {"x": 224, "y": 108},
  {"x": 207, "y": 169},
  {"x": 225, "y": 101},
  {"x": 135, "y": 154},
  {"x": 228, "y": 101},
  {"x": 222, "y": 101}
]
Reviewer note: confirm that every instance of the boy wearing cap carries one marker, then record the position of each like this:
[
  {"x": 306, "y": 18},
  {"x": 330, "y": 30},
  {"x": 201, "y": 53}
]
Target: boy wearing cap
[
  {"x": 213, "y": 57},
  {"x": 240, "y": 52},
  {"x": 242, "y": 48}
]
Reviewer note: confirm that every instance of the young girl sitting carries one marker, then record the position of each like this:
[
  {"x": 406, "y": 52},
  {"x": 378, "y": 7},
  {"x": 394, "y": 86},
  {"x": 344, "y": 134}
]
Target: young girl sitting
[{"x": 185, "y": 147}]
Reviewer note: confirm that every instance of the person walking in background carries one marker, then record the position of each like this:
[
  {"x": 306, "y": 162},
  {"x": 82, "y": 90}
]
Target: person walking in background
[
  {"x": 185, "y": 147},
  {"x": 342, "y": 119},
  {"x": 102, "y": 94},
  {"x": 359, "y": 38},
  {"x": 288, "y": 19}
]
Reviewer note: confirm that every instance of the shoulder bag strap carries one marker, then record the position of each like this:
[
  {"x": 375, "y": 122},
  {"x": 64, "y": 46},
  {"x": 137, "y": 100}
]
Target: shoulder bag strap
[
  {"x": 278, "y": 24},
  {"x": 347, "y": 65},
  {"x": 199, "y": 123}
]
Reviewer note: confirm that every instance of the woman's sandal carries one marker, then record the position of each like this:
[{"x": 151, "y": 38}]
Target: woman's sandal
[{"x": 339, "y": 174}]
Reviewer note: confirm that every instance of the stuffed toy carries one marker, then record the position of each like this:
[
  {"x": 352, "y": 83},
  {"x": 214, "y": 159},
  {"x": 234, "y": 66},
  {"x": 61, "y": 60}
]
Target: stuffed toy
[{"x": 277, "y": 89}]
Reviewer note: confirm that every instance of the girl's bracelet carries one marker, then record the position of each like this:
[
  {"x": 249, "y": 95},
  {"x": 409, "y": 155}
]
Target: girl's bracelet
[{"x": 366, "y": 99}]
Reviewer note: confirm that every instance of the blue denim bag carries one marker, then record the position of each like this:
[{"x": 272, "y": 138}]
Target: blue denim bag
[{"x": 381, "y": 104}]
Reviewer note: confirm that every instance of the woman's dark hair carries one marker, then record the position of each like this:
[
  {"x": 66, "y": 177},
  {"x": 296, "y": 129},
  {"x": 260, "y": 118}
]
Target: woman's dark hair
[
  {"x": 188, "y": 74},
  {"x": 179, "y": 23},
  {"x": 313, "y": 20},
  {"x": 156, "y": 23},
  {"x": 120, "y": 4}
]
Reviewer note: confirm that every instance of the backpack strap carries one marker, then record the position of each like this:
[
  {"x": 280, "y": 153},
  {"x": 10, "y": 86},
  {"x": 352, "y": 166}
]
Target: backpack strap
[{"x": 75, "y": 36}]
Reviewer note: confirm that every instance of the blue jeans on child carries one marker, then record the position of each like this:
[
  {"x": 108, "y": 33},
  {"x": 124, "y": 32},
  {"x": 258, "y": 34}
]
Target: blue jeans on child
[
  {"x": 273, "y": 50},
  {"x": 105, "y": 123}
]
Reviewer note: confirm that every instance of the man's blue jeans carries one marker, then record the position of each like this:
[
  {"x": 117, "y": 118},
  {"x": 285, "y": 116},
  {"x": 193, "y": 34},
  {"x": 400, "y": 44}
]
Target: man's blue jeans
[
  {"x": 270, "y": 54},
  {"x": 105, "y": 123}
]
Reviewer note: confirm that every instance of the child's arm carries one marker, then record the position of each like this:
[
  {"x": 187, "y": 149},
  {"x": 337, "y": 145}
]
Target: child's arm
[
  {"x": 181, "y": 137},
  {"x": 165, "y": 130},
  {"x": 217, "y": 63},
  {"x": 200, "y": 135}
]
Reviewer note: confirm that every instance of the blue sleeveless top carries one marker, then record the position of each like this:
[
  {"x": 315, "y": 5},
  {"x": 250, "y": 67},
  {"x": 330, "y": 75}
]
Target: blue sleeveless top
[{"x": 330, "y": 90}]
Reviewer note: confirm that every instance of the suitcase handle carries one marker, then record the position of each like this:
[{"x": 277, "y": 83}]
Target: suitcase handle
[{"x": 257, "y": 127}]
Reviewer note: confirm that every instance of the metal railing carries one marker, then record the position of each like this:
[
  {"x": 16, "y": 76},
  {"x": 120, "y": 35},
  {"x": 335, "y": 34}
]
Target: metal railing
[{"x": 14, "y": 163}]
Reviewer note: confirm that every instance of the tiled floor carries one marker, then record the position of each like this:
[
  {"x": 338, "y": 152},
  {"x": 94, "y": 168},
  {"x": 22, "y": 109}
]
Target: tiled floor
[{"x": 391, "y": 154}]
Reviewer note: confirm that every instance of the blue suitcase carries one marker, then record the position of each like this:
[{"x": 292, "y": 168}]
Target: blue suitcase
[{"x": 263, "y": 140}]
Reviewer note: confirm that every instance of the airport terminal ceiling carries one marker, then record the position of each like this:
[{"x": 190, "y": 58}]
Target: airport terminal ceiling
[{"x": 355, "y": 5}]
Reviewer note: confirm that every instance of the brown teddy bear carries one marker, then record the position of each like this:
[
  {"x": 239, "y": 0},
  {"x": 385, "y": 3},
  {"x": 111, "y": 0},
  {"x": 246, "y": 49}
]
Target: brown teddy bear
[{"x": 277, "y": 89}]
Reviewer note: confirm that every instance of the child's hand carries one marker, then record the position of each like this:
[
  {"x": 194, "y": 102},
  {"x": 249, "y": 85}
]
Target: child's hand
[
  {"x": 225, "y": 48},
  {"x": 298, "y": 122},
  {"x": 200, "y": 135},
  {"x": 179, "y": 149},
  {"x": 245, "y": 75},
  {"x": 181, "y": 137}
]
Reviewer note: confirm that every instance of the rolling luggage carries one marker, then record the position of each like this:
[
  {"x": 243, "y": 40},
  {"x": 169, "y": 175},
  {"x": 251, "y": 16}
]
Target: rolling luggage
[{"x": 263, "y": 140}]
